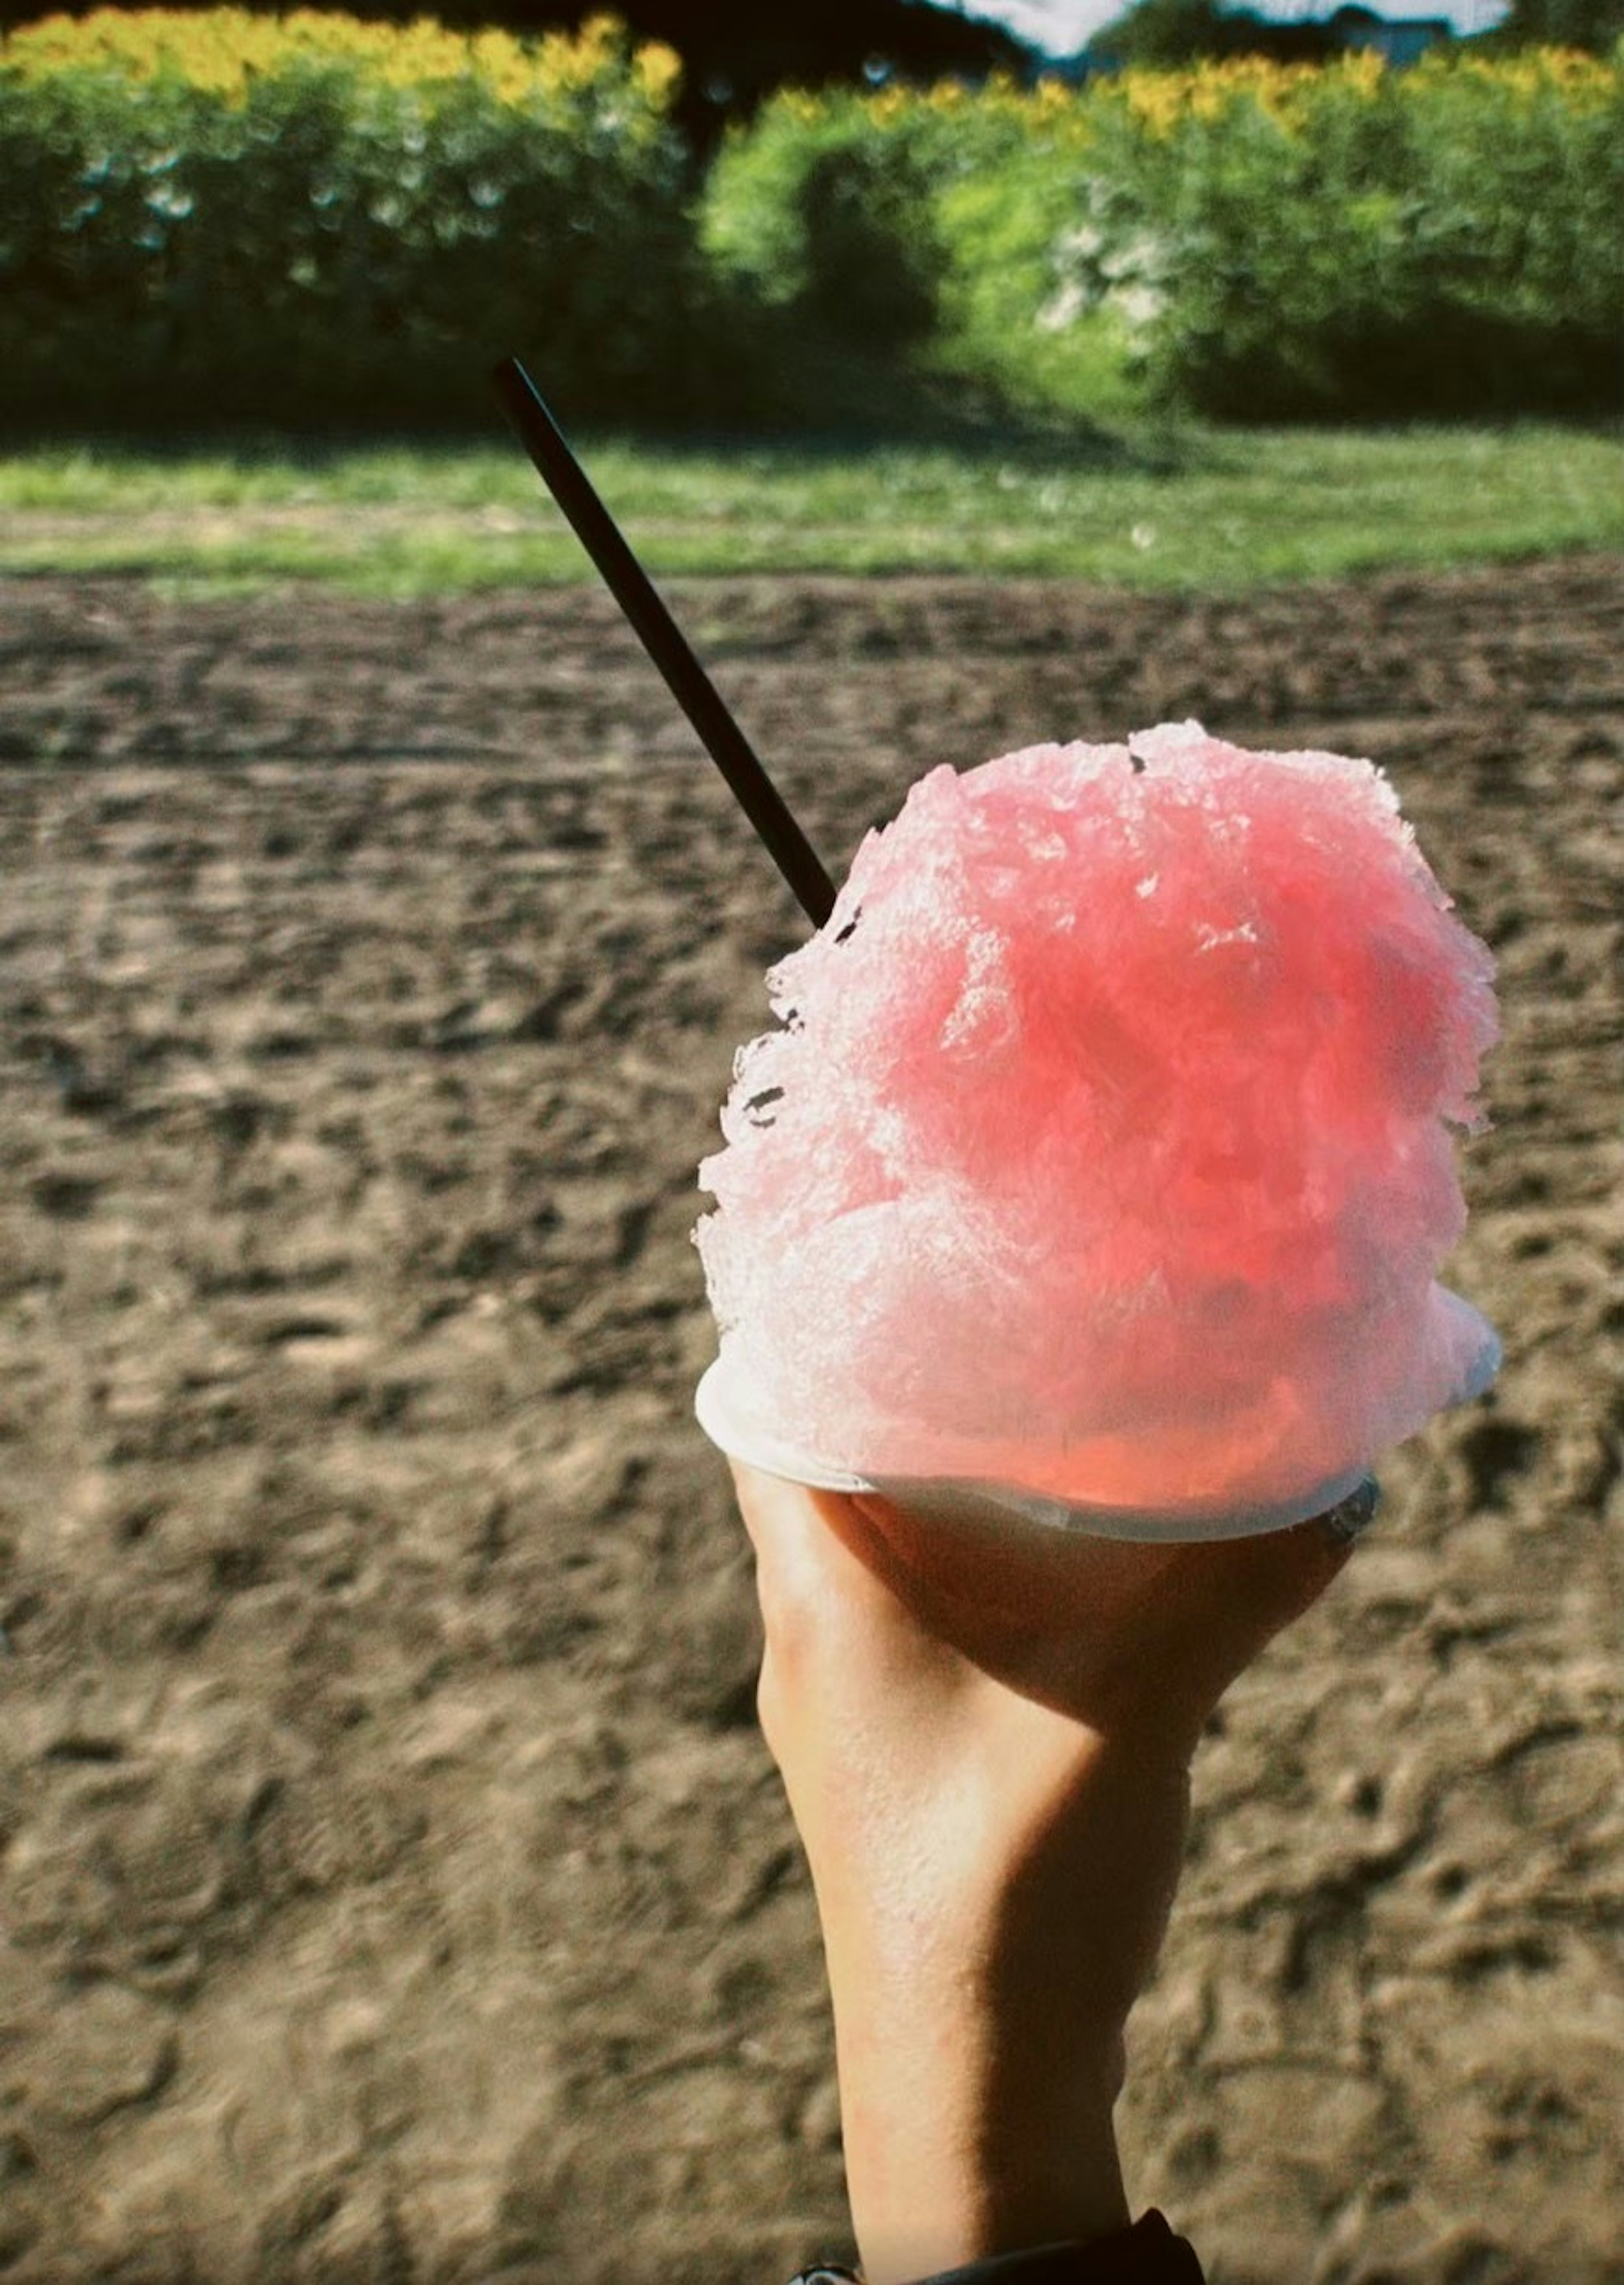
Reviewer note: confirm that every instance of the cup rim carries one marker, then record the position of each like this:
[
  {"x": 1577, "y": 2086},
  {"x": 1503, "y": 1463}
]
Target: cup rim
[{"x": 718, "y": 1410}]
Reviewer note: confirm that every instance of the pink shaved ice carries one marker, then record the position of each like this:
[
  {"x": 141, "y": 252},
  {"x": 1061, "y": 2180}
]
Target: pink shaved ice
[{"x": 1104, "y": 1150}]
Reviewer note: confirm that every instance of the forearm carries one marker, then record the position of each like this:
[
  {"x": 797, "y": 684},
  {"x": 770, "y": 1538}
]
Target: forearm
[{"x": 957, "y": 2144}]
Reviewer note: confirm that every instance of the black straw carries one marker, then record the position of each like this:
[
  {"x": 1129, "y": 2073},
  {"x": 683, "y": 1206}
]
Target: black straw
[{"x": 661, "y": 637}]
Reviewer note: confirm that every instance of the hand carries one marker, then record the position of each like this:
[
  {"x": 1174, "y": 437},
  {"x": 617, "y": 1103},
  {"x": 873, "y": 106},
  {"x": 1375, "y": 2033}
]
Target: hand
[{"x": 986, "y": 1737}]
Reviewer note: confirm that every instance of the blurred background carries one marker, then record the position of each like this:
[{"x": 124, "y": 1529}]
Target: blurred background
[{"x": 689, "y": 215}]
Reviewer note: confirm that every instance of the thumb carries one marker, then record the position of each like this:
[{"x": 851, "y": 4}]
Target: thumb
[{"x": 1221, "y": 1603}]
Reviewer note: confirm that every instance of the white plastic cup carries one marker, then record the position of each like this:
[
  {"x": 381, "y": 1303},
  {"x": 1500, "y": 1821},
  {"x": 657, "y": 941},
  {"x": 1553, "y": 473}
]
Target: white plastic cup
[{"x": 957, "y": 1499}]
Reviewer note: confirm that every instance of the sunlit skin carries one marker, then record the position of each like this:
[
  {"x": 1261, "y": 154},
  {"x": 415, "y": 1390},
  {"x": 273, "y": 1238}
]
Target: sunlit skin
[{"x": 989, "y": 1765}]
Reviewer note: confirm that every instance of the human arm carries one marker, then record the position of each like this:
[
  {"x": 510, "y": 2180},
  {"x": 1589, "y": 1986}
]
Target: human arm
[{"x": 987, "y": 1747}]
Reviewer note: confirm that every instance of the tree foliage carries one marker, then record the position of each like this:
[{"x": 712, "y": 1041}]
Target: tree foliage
[
  {"x": 1172, "y": 34},
  {"x": 1591, "y": 26}
]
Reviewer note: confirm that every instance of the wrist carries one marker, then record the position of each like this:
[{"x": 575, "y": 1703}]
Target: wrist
[{"x": 961, "y": 2142}]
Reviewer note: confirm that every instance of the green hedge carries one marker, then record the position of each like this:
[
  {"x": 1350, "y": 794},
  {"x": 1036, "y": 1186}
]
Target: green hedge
[
  {"x": 222, "y": 215},
  {"x": 1247, "y": 240},
  {"x": 318, "y": 220},
  {"x": 1355, "y": 242},
  {"x": 910, "y": 218}
]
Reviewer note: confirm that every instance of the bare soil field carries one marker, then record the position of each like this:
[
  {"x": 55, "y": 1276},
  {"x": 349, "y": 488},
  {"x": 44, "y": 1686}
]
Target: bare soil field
[{"x": 394, "y": 1889}]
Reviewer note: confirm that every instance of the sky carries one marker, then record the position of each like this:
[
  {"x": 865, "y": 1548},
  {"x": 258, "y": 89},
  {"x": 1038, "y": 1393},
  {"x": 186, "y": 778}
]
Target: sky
[{"x": 1062, "y": 25}]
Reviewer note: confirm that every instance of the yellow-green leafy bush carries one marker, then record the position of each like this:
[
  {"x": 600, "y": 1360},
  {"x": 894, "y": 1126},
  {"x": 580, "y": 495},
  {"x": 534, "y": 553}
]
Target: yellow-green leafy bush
[
  {"x": 315, "y": 218},
  {"x": 1359, "y": 240},
  {"x": 1249, "y": 238}
]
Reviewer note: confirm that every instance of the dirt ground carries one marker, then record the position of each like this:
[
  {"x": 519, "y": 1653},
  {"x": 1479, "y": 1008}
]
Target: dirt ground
[{"x": 393, "y": 1887}]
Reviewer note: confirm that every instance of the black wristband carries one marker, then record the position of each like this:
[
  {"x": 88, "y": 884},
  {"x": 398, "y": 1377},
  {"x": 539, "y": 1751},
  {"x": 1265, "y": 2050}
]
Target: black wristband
[{"x": 1147, "y": 2254}]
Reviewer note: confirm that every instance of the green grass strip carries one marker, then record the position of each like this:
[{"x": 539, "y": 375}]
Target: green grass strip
[{"x": 1203, "y": 509}]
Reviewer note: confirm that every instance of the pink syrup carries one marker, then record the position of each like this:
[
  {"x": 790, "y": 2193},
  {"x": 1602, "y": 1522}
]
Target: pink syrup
[{"x": 1106, "y": 1144}]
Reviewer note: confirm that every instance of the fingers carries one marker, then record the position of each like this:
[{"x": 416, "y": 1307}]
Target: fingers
[
  {"x": 1255, "y": 1588},
  {"x": 981, "y": 1575},
  {"x": 801, "y": 1566},
  {"x": 830, "y": 1587},
  {"x": 1106, "y": 1631},
  {"x": 1221, "y": 1603},
  {"x": 1347, "y": 1524}
]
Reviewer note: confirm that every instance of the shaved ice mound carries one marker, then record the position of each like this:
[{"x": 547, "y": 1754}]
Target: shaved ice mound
[{"x": 1103, "y": 1151}]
